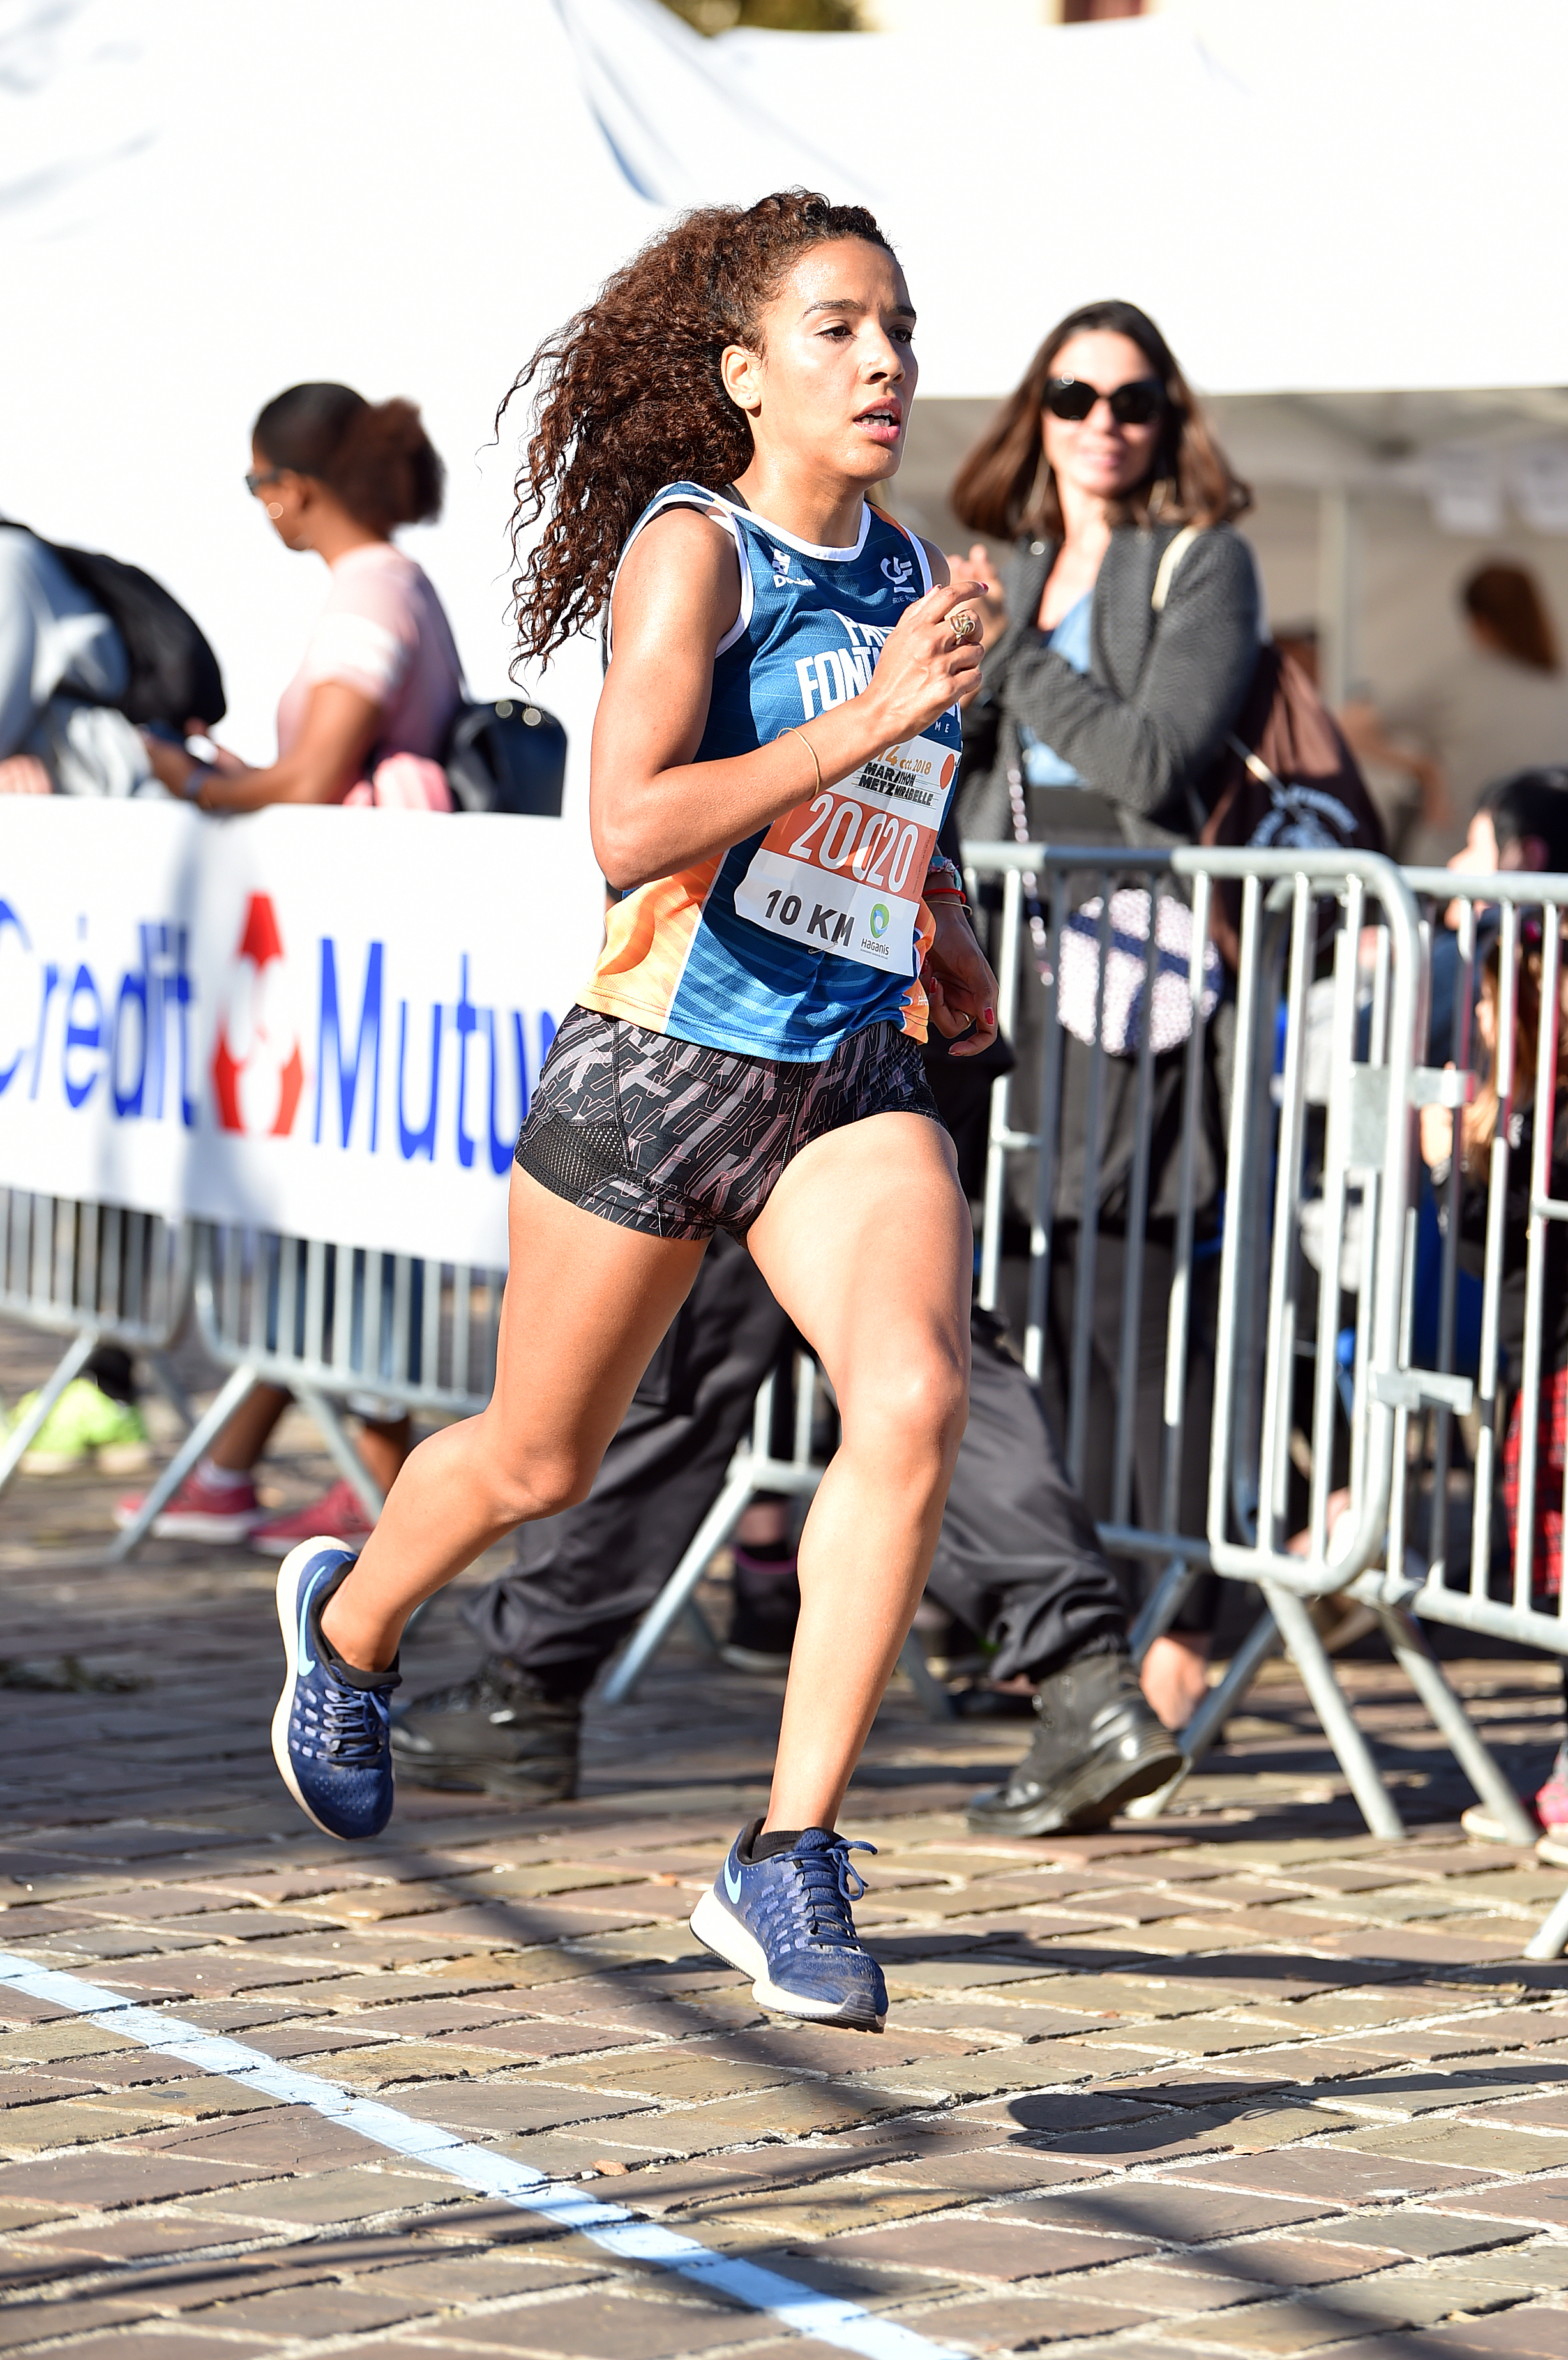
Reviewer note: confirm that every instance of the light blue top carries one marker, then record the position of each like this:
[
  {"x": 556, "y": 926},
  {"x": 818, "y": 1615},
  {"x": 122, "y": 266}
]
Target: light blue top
[
  {"x": 682, "y": 956},
  {"x": 1043, "y": 765}
]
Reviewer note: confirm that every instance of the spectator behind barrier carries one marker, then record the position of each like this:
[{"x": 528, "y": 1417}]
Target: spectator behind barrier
[
  {"x": 1099, "y": 720},
  {"x": 365, "y": 718},
  {"x": 363, "y": 721},
  {"x": 1527, "y": 817},
  {"x": 1499, "y": 705},
  {"x": 63, "y": 665}
]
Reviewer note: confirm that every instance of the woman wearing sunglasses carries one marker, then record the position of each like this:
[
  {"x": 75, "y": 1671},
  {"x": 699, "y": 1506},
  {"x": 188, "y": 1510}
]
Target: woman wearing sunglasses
[{"x": 1097, "y": 723}]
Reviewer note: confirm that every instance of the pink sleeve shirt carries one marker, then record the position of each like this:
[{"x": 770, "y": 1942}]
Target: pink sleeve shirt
[{"x": 382, "y": 631}]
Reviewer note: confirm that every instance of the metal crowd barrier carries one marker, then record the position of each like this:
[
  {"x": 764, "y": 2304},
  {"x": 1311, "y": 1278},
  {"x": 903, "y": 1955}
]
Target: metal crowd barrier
[
  {"x": 754, "y": 1470},
  {"x": 1453, "y": 1563},
  {"x": 97, "y": 1273},
  {"x": 1293, "y": 1263},
  {"x": 1313, "y": 1062},
  {"x": 335, "y": 1326}
]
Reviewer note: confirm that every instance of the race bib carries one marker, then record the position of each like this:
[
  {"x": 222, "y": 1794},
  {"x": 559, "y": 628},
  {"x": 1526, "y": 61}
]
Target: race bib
[{"x": 845, "y": 870}]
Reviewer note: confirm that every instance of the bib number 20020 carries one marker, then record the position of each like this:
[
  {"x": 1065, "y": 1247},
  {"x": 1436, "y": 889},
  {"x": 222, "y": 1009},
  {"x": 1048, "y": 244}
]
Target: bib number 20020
[{"x": 843, "y": 871}]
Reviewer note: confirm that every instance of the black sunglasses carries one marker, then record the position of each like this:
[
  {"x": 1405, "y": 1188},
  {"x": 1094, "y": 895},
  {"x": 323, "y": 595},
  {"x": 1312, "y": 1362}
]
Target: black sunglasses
[
  {"x": 256, "y": 476},
  {"x": 1138, "y": 404}
]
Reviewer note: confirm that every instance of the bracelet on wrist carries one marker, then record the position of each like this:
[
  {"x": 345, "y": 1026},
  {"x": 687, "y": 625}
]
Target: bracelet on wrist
[{"x": 196, "y": 778}]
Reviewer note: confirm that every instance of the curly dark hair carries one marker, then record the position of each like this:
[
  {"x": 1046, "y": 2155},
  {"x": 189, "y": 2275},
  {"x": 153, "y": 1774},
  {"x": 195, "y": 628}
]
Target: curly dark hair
[{"x": 629, "y": 396}]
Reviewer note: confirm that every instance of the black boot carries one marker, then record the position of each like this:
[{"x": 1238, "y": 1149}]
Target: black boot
[
  {"x": 766, "y": 1609},
  {"x": 1098, "y": 1746},
  {"x": 502, "y": 1733}
]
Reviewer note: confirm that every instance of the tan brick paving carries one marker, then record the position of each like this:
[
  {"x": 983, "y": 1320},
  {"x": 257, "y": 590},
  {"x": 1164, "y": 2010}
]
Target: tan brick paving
[{"x": 1245, "y": 2082}]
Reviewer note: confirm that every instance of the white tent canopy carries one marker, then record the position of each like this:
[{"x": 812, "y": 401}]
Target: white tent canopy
[
  {"x": 1344, "y": 217},
  {"x": 201, "y": 205},
  {"x": 1341, "y": 212}
]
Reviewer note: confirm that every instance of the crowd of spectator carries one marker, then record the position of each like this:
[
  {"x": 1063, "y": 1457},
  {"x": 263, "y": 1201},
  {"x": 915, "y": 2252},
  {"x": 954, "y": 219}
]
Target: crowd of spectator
[{"x": 1119, "y": 656}]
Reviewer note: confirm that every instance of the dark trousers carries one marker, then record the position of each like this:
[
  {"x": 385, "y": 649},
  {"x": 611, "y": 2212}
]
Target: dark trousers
[
  {"x": 1016, "y": 1561},
  {"x": 1147, "y": 1404}
]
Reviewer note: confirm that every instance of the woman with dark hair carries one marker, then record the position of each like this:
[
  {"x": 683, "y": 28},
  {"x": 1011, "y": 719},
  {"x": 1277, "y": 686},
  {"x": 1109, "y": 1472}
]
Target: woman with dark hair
[
  {"x": 773, "y": 758},
  {"x": 1497, "y": 705},
  {"x": 1091, "y": 468},
  {"x": 1099, "y": 721},
  {"x": 366, "y": 717},
  {"x": 363, "y": 721}
]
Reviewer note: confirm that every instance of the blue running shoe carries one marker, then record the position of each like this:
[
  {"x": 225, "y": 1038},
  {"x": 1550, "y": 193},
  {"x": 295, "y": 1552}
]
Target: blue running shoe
[
  {"x": 329, "y": 1736},
  {"x": 786, "y": 1922}
]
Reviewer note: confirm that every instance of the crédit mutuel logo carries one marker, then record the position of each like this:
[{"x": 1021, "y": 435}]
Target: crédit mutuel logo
[{"x": 258, "y": 1072}]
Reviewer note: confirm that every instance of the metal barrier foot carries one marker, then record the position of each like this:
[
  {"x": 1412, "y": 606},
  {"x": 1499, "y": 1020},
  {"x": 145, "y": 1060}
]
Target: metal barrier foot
[
  {"x": 1338, "y": 1724},
  {"x": 1161, "y": 1609},
  {"x": 1552, "y": 1940},
  {"x": 1412, "y": 1652},
  {"x": 324, "y": 1416},
  {"x": 650, "y": 1633},
  {"x": 1206, "y": 1723},
  {"x": 20, "y": 1438},
  {"x": 240, "y": 1386}
]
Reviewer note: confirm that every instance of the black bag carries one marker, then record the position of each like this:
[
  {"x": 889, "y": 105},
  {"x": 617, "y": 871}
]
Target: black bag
[
  {"x": 507, "y": 756},
  {"x": 174, "y": 675}
]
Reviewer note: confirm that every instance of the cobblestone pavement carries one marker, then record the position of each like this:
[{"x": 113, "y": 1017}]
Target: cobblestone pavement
[{"x": 1241, "y": 2081}]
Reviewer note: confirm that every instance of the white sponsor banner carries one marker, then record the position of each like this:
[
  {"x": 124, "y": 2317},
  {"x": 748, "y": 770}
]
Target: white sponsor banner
[{"x": 327, "y": 1023}]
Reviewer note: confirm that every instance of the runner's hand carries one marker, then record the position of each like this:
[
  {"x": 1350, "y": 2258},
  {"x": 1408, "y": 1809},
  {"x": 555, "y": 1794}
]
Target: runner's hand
[
  {"x": 959, "y": 983},
  {"x": 923, "y": 669},
  {"x": 992, "y": 609}
]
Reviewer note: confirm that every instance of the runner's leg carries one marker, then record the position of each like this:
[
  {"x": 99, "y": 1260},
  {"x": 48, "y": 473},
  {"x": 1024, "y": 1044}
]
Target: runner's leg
[
  {"x": 878, "y": 1283},
  {"x": 586, "y": 1303}
]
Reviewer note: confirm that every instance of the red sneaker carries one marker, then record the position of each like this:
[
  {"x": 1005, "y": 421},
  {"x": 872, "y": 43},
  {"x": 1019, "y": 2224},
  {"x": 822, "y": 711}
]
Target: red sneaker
[
  {"x": 200, "y": 1511},
  {"x": 341, "y": 1513},
  {"x": 1552, "y": 1801}
]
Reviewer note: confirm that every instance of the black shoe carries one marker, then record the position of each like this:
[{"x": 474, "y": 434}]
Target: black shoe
[
  {"x": 499, "y": 1734},
  {"x": 1098, "y": 1746},
  {"x": 766, "y": 1607}
]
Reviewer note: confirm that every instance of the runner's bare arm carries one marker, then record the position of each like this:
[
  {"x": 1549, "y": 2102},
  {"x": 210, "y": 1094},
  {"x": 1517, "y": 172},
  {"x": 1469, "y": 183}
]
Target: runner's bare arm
[{"x": 653, "y": 808}]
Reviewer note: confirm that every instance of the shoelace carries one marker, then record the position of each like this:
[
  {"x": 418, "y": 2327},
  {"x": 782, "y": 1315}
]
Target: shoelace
[
  {"x": 826, "y": 1881},
  {"x": 354, "y": 1721}
]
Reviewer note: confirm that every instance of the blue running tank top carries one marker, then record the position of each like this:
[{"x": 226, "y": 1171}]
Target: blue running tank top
[{"x": 814, "y": 928}]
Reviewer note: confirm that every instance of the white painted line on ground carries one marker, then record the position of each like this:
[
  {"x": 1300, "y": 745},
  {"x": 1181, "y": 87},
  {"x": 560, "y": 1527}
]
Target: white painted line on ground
[{"x": 620, "y": 2231}]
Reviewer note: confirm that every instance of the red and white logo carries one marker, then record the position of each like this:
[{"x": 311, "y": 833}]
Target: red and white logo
[{"x": 257, "y": 1071}]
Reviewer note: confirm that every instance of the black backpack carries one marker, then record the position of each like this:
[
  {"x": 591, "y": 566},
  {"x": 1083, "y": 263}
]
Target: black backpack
[
  {"x": 174, "y": 675},
  {"x": 507, "y": 756}
]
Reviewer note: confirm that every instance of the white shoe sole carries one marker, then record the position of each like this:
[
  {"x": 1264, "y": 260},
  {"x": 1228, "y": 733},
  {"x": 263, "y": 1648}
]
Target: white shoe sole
[
  {"x": 288, "y": 1623},
  {"x": 727, "y": 1939},
  {"x": 1485, "y": 1826},
  {"x": 219, "y": 1529}
]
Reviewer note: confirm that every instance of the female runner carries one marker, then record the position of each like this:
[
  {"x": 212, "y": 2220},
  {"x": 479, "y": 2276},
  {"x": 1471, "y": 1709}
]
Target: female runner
[{"x": 773, "y": 755}]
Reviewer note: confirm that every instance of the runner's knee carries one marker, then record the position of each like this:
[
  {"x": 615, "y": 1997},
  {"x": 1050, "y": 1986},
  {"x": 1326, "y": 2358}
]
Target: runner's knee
[
  {"x": 526, "y": 1486},
  {"x": 913, "y": 1408}
]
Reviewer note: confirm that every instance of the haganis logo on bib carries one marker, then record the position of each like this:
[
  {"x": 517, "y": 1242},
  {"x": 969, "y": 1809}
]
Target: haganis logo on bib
[{"x": 880, "y": 918}]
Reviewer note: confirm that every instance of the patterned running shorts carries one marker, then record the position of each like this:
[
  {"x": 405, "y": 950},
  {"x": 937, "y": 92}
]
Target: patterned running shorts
[{"x": 677, "y": 1140}]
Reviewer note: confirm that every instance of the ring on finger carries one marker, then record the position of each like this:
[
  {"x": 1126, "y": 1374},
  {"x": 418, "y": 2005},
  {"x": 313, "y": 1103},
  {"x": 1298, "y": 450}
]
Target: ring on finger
[{"x": 962, "y": 625}]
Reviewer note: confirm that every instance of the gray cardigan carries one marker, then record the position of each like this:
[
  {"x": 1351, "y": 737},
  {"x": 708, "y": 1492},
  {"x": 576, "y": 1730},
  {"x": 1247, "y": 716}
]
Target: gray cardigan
[{"x": 1146, "y": 720}]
